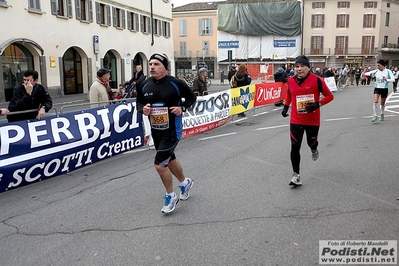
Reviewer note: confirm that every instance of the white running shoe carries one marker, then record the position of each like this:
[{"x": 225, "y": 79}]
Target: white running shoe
[
  {"x": 296, "y": 180},
  {"x": 315, "y": 155},
  {"x": 170, "y": 203},
  {"x": 185, "y": 190}
]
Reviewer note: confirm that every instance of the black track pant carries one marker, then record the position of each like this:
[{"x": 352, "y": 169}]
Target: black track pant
[{"x": 296, "y": 133}]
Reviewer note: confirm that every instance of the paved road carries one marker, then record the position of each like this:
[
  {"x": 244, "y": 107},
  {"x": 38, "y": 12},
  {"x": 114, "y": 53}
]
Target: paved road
[{"x": 241, "y": 210}]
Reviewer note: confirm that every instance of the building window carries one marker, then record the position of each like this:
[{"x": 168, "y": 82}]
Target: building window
[
  {"x": 343, "y": 4},
  {"x": 385, "y": 41},
  {"x": 370, "y": 4},
  {"x": 157, "y": 27},
  {"x": 119, "y": 19},
  {"x": 133, "y": 21},
  {"x": 318, "y": 21},
  {"x": 84, "y": 10},
  {"x": 205, "y": 26},
  {"x": 316, "y": 44},
  {"x": 3, "y": 3},
  {"x": 182, "y": 28},
  {"x": 387, "y": 15},
  {"x": 341, "y": 45},
  {"x": 369, "y": 20},
  {"x": 145, "y": 24},
  {"x": 166, "y": 29},
  {"x": 34, "y": 5},
  {"x": 183, "y": 49},
  {"x": 61, "y": 8},
  {"x": 368, "y": 44},
  {"x": 103, "y": 14},
  {"x": 318, "y": 5},
  {"x": 343, "y": 21},
  {"x": 388, "y": 4}
]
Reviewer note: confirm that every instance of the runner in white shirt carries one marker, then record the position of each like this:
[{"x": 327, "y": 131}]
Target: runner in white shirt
[{"x": 382, "y": 77}]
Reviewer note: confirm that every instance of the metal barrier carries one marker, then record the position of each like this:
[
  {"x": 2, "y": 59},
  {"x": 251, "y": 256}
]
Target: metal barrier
[{"x": 60, "y": 110}]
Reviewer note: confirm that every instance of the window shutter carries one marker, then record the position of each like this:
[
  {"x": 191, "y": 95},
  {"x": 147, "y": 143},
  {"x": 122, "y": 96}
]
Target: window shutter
[
  {"x": 123, "y": 18},
  {"x": 372, "y": 44},
  {"x": 137, "y": 24},
  {"x": 363, "y": 44},
  {"x": 374, "y": 20},
  {"x": 348, "y": 4},
  {"x": 336, "y": 44},
  {"x": 149, "y": 25},
  {"x": 199, "y": 26},
  {"x": 77, "y": 9},
  {"x": 364, "y": 21},
  {"x": 114, "y": 22},
  {"x": 38, "y": 5},
  {"x": 69, "y": 8},
  {"x": 321, "y": 44},
  {"x": 375, "y": 4},
  {"x": 322, "y": 20},
  {"x": 347, "y": 21},
  {"x": 108, "y": 15},
  {"x": 141, "y": 23},
  {"x": 210, "y": 26},
  {"x": 98, "y": 15},
  {"x": 54, "y": 7},
  {"x": 90, "y": 11},
  {"x": 154, "y": 30},
  {"x": 129, "y": 20},
  {"x": 323, "y": 4},
  {"x": 337, "y": 25},
  {"x": 313, "y": 5},
  {"x": 168, "y": 27},
  {"x": 185, "y": 28},
  {"x": 346, "y": 44},
  {"x": 313, "y": 21}
]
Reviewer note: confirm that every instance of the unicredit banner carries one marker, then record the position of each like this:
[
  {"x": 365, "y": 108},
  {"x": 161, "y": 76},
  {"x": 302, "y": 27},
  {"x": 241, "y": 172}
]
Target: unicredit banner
[
  {"x": 41, "y": 149},
  {"x": 269, "y": 93}
]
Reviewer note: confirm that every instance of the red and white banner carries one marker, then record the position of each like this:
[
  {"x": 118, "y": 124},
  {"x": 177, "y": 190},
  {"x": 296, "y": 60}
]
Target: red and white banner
[{"x": 269, "y": 93}]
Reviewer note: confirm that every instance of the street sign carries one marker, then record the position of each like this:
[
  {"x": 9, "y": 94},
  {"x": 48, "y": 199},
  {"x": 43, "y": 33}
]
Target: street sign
[{"x": 228, "y": 44}]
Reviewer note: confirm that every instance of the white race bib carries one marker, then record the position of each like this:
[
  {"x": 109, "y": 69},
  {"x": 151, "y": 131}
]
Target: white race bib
[
  {"x": 159, "y": 118},
  {"x": 302, "y": 101}
]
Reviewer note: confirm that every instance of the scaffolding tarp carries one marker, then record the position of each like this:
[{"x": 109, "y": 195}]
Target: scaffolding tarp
[{"x": 260, "y": 19}]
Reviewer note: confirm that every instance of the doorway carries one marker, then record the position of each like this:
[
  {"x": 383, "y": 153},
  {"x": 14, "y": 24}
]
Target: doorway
[{"x": 73, "y": 80}]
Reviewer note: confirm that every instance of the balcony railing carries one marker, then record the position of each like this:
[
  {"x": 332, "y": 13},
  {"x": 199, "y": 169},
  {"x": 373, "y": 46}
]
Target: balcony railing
[
  {"x": 390, "y": 47},
  {"x": 339, "y": 51},
  {"x": 206, "y": 54},
  {"x": 182, "y": 54}
]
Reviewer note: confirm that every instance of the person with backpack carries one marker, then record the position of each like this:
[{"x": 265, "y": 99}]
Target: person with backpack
[
  {"x": 303, "y": 94},
  {"x": 382, "y": 76},
  {"x": 231, "y": 73},
  {"x": 243, "y": 79}
]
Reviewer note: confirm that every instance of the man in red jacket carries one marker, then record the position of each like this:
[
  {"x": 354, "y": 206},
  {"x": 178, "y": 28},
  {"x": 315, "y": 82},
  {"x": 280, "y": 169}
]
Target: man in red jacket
[{"x": 303, "y": 95}]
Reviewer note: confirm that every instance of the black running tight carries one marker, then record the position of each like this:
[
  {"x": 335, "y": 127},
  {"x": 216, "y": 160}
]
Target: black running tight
[{"x": 296, "y": 133}]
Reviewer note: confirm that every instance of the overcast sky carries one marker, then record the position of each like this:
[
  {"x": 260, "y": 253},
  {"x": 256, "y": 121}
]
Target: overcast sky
[{"x": 185, "y": 2}]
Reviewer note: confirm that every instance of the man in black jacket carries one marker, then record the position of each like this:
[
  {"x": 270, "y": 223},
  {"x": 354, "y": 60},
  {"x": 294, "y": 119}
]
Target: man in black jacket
[
  {"x": 30, "y": 95},
  {"x": 138, "y": 77}
]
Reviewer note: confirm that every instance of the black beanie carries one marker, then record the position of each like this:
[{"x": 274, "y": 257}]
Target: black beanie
[
  {"x": 382, "y": 62},
  {"x": 161, "y": 58},
  {"x": 302, "y": 59}
]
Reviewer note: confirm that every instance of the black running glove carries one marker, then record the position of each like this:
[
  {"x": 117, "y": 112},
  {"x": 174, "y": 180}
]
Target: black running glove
[
  {"x": 311, "y": 107},
  {"x": 285, "y": 111}
]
